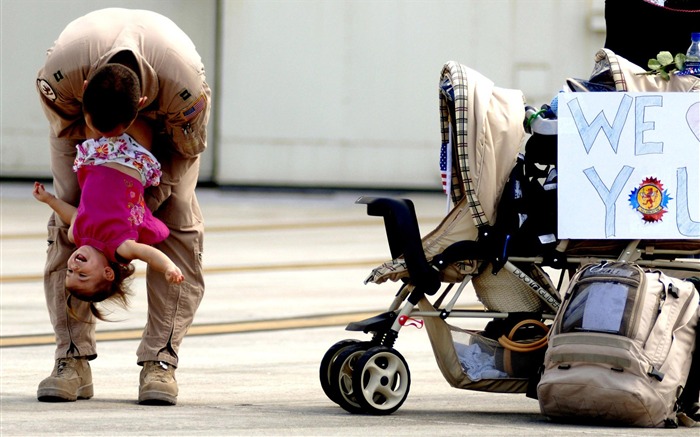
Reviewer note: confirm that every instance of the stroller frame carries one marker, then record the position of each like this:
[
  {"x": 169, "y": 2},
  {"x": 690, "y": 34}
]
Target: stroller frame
[{"x": 372, "y": 377}]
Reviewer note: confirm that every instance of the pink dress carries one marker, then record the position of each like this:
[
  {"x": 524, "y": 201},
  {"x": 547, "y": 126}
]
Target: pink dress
[{"x": 112, "y": 208}]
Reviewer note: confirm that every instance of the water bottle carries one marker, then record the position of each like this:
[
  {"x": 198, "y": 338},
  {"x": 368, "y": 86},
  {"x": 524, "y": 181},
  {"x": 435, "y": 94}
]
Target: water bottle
[{"x": 692, "y": 56}]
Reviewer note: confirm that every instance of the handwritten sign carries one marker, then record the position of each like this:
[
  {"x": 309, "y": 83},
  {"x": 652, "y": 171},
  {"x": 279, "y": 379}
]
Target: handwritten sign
[{"x": 629, "y": 165}]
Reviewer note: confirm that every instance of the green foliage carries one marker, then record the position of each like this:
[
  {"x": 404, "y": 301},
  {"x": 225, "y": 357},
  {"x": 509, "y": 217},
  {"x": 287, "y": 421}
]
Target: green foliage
[{"x": 665, "y": 64}]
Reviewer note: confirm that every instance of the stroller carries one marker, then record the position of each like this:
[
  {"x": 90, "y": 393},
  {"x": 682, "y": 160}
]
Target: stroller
[{"x": 499, "y": 159}]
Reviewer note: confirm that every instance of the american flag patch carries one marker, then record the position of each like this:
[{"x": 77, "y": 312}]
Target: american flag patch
[{"x": 195, "y": 109}]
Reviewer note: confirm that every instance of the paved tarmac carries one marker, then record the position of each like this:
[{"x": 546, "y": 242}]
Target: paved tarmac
[{"x": 284, "y": 275}]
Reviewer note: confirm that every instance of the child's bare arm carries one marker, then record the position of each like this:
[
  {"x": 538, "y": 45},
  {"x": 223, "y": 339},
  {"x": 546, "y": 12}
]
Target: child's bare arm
[
  {"x": 65, "y": 210},
  {"x": 155, "y": 259}
]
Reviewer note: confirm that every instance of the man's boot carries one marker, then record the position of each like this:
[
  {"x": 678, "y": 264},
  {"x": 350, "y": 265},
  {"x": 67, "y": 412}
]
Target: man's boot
[
  {"x": 157, "y": 384},
  {"x": 71, "y": 379}
]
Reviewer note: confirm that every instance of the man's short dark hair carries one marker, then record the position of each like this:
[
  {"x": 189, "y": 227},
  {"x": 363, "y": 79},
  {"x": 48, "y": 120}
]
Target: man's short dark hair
[{"x": 111, "y": 97}]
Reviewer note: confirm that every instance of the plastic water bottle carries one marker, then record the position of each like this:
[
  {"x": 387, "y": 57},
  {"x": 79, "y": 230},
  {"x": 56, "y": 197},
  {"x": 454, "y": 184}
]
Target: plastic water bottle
[{"x": 692, "y": 56}]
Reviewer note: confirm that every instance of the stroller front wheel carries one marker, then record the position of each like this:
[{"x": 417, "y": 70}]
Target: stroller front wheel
[
  {"x": 341, "y": 375},
  {"x": 381, "y": 380},
  {"x": 326, "y": 363}
]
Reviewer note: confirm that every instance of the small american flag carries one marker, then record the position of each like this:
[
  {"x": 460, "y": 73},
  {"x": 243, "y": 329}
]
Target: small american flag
[
  {"x": 443, "y": 167},
  {"x": 195, "y": 109}
]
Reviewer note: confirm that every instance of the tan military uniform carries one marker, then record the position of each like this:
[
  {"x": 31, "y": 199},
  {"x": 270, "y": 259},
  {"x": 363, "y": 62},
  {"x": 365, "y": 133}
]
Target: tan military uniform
[{"x": 178, "y": 102}]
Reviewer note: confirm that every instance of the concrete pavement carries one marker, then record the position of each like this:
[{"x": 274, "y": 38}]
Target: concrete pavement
[{"x": 284, "y": 274}]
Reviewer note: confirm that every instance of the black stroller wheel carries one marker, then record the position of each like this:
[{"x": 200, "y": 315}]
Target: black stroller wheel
[
  {"x": 327, "y": 361},
  {"x": 341, "y": 376},
  {"x": 381, "y": 380}
]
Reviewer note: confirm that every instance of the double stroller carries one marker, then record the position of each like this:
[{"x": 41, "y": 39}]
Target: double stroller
[{"x": 499, "y": 162}]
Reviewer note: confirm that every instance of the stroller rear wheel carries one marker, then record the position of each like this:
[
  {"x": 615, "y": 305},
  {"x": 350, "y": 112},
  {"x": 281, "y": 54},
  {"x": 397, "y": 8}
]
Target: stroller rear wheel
[
  {"x": 381, "y": 380},
  {"x": 341, "y": 375},
  {"x": 327, "y": 361}
]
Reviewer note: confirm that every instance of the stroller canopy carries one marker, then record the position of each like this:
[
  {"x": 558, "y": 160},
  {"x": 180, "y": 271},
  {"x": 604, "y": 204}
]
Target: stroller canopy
[{"x": 482, "y": 131}]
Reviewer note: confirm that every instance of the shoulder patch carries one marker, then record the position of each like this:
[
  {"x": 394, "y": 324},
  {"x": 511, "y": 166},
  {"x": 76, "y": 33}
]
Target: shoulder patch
[
  {"x": 46, "y": 89},
  {"x": 195, "y": 108}
]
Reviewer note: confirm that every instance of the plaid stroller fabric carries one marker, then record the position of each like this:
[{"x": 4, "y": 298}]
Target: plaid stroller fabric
[
  {"x": 629, "y": 77},
  {"x": 482, "y": 130}
]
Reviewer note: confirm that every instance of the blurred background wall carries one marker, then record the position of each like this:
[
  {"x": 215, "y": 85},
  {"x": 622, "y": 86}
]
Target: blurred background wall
[{"x": 313, "y": 93}]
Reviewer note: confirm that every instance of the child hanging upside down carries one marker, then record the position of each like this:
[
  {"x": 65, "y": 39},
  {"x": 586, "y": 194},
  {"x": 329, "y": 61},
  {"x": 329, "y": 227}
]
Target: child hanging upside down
[{"x": 112, "y": 225}]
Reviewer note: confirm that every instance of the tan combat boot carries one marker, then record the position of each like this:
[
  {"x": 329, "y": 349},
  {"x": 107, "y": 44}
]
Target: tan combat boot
[
  {"x": 157, "y": 384},
  {"x": 71, "y": 379}
]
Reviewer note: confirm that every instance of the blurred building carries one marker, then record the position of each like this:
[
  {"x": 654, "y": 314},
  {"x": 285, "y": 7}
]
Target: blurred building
[{"x": 313, "y": 93}]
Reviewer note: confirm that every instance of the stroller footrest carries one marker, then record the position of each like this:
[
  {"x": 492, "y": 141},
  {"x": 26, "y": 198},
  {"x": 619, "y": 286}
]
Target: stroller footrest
[{"x": 378, "y": 323}]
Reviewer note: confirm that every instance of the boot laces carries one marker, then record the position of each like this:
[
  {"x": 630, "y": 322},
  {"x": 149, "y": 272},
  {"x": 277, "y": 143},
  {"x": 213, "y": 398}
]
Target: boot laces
[
  {"x": 63, "y": 363},
  {"x": 161, "y": 371}
]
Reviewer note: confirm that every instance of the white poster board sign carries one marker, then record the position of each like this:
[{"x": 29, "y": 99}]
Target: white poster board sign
[{"x": 629, "y": 165}]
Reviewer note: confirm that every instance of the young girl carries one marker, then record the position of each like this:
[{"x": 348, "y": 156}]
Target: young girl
[{"x": 112, "y": 224}]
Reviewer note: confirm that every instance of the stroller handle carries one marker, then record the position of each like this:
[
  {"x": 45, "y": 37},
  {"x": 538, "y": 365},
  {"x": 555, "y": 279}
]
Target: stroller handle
[{"x": 404, "y": 239}]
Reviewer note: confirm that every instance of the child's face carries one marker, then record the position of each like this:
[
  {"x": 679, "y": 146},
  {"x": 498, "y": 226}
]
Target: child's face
[{"x": 88, "y": 270}]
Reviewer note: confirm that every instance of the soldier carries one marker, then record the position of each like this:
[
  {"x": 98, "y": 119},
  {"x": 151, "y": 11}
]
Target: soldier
[{"x": 174, "y": 99}]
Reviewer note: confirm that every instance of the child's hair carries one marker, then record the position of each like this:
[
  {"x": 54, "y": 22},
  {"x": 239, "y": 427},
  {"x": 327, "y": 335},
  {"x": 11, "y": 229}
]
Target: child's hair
[{"x": 117, "y": 291}]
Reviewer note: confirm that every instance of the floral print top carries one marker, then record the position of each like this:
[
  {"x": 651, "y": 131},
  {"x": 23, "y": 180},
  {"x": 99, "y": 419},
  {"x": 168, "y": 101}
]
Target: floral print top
[{"x": 122, "y": 150}]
